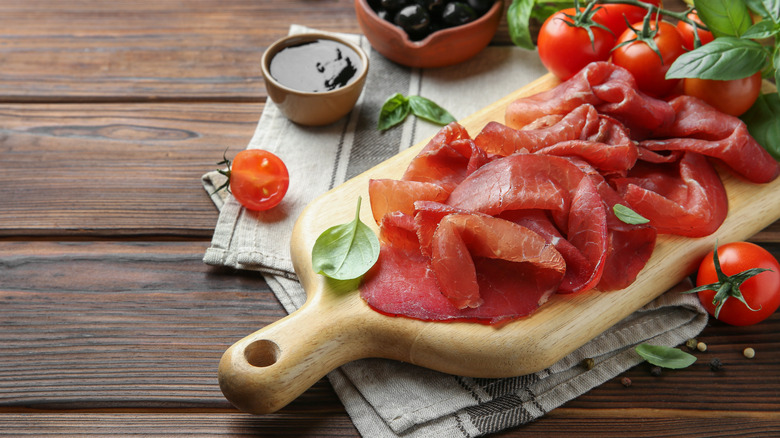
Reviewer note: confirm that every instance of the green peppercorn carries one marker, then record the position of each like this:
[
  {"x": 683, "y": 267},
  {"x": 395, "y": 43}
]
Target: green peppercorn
[{"x": 691, "y": 343}]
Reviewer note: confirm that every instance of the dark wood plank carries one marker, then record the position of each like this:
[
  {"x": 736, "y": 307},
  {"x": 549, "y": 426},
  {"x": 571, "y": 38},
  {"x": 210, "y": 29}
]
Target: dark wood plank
[
  {"x": 632, "y": 423},
  {"x": 115, "y": 169},
  {"x": 57, "y": 50}
]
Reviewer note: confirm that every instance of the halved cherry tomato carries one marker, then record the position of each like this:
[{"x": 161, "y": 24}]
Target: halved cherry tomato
[
  {"x": 258, "y": 179},
  {"x": 761, "y": 292},
  {"x": 686, "y": 30},
  {"x": 565, "y": 49},
  {"x": 731, "y": 97},
  {"x": 649, "y": 69},
  {"x": 614, "y": 16}
]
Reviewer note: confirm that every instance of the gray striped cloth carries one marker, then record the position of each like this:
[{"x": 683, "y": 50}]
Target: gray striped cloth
[{"x": 391, "y": 399}]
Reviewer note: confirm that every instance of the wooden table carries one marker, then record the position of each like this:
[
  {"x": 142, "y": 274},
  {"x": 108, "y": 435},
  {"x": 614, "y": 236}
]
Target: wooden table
[{"x": 110, "y": 323}]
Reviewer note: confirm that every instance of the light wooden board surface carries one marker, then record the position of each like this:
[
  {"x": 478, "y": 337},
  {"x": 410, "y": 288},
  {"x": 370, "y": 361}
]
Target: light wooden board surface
[{"x": 271, "y": 367}]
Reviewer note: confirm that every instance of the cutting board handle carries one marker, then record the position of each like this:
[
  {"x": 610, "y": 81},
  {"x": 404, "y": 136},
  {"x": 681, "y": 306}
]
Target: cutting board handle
[{"x": 268, "y": 369}]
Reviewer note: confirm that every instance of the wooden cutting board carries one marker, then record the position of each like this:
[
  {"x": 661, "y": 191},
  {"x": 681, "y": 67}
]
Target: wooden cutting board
[{"x": 264, "y": 371}]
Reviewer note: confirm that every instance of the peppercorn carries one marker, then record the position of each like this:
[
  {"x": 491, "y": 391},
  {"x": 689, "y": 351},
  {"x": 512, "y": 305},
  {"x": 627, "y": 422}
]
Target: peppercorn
[
  {"x": 691, "y": 343},
  {"x": 655, "y": 371},
  {"x": 701, "y": 346},
  {"x": 588, "y": 364},
  {"x": 625, "y": 381},
  {"x": 749, "y": 353},
  {"x": 716, "y": 364}
]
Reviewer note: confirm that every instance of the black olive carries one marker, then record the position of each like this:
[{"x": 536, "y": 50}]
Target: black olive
[
  {"x": 457, "y": 13},
  {"x": 394, "y": 5},
  {"x": 375, "y": 4},
  {"x": 431, "y": 5},
  {"x": 481, "y": 6},
  {"x": 414, "y": 20}
]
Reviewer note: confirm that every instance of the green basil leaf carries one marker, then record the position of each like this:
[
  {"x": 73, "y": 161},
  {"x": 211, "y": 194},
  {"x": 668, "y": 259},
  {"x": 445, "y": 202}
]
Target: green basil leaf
[
  {"x": 724, "y": 17},
  {"x": 761, "y": 120},
  {"x": 665, "y": 357},
  {"x": 394, "y": 111},
  {"x": 429, "y": 110},
  {"x": 628, "y": 215},
  {"x": 725, "y": 58},
  {"x": 770, "y": 9},
  {"x": 776, "y": 64},
  {"x": 758, "y": 7},
  {"x": 518, "y": 17},
  {"x": 762, "y": 29},
  {"x": 346, "y": 251}
]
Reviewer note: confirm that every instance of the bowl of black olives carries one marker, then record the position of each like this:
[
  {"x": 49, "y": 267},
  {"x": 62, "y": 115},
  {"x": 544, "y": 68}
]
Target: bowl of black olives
[{"x": 429, "y": 33}]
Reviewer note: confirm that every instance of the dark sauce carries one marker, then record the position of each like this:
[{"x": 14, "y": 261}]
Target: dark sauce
[{"x": 316, "y": 66}]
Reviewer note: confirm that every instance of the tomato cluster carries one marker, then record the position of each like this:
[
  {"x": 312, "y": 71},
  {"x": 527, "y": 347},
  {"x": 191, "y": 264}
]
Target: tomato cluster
[{"x": 569, "y": 40}]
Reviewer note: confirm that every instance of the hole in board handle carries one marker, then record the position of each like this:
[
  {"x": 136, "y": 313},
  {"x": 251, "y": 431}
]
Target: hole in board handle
[{"x": 262, "y": 353}]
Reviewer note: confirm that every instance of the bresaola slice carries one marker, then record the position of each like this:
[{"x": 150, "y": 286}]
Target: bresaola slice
[
  {"x": 700, "y": 128},
  {"x": 686, "y": 199},
  {"x": 609, "y": 88}
]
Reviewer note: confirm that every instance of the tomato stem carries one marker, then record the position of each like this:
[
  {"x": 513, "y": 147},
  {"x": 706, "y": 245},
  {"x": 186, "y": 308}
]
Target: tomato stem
[{"x": 226, "y": 172}]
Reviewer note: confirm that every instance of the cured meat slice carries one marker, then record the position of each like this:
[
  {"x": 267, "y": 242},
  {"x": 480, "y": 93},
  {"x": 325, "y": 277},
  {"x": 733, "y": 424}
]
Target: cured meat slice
[
  {"x": 688, "y": 199},
  {"x": 629, "y": 246},
  {"x": 462, "y": 237},
  {"x": 608, "y": 87},
  {"x": 401, "y": 284},
  {"x": 389, "y": 195},
  {"x": 531, "y": 181},
  {"x": 447, "y": 159},
  {"x": 609, "y": 149},
  {"x": 701, "y": 128},
  {"x": 496, "y": 138},
  {"x": 399, "y": 230}
]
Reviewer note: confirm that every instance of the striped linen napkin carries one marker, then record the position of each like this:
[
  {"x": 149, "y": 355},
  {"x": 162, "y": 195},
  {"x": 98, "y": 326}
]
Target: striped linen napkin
[{"x": 387, "y": 398}]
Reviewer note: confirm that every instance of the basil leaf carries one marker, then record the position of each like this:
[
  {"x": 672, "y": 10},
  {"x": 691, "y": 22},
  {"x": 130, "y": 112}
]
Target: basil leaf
[
  {"x": 724, "y": 17},
  {"x": 771, "y": 9},
  {"x": 628, "y": 215},
  {"x": 665, "y": 357},
  {"x": 758, "y": 7},
  {"x": 346, "y": 251},
  {"x": 394, "y": 111},
  {"x": 761, "y": 120},
  {"x": 429, "y": 110},
  {"x": 725, "y": 58},
  {"x": 518, "y": 17},
  {"x": 776, "y": 64},
  {"x": 762, "y": 29}
]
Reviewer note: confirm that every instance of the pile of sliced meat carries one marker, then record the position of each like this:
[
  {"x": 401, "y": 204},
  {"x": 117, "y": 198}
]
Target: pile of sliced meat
[{"x": 487, "y": 228}]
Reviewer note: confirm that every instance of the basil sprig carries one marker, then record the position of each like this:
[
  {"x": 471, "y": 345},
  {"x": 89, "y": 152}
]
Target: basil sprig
[
  {"x": 346, "y": 251},
  {"x": 397, "y": 107},
  {"x": 761, "y": 120},
  {"x": 666, "y": 357}
]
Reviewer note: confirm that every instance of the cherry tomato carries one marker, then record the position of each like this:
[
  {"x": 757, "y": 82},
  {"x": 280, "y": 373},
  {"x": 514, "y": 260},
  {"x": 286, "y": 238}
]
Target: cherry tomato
[
  {"x": 731, "y": 97},
  {"x": 686, "y": 30},
  {"x": 648, "y": 68},
  {"x": 761, "y": 291},
  {"x": 258, "y": 179},
  {"x": 565, "y": 49},
  {"x": 614, "y": 16}
]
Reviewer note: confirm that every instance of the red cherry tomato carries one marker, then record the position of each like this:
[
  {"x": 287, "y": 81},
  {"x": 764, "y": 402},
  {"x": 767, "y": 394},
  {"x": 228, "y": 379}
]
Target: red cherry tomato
[
  {"x": 686, "y": 30},
  {"x": 258, "y": 179},
  {"x": 565, "y": 49},
  {"x": 761, "y": 291},
  {"x": 732, "y": 97},
  {"x": 614, "y": 16},
  {"x": 648, "y": 68}
]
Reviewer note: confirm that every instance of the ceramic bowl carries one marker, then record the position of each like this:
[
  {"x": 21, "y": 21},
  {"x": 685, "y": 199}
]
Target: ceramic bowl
[
  {"x": 313, "y": 108},
  {"x": 441, "y": 48}
]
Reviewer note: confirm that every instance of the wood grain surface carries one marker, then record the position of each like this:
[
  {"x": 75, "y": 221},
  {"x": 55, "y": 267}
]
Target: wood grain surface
[{"x": 110, "y": 323}]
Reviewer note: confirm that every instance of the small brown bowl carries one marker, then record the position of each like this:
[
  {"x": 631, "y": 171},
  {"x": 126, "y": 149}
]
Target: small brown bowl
[
  {"x": 441, "y": 48},
  {"x": 307, "y": 107}
]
